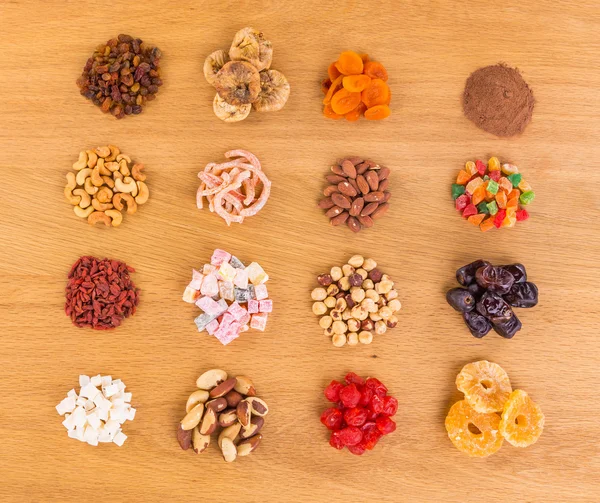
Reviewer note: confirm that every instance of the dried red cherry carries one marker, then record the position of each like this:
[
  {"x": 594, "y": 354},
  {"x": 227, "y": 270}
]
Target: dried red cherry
[
  {"x": 371, "y": 435},
  {"x": 385, "y": 425},
  {"x": 351, "y": 377},
  {"x": 365, "y": 396},
  {"x": 332, "y": 418},
  {"x": 376, "y": 404},
  {"x": 377, "y": 386},
  {"x": 390, "y": 406},
  {"x": 460, "y": 299},
  {"x": 335, "y": 441},
  {"x": 350, "y": 435},
  {"x": 495, "y": 279},
  {"x": 356, "y": 416},
  {"x": 358, "y": 449},
  {"x": 349, "y": 395},
  {"x": 332, "y": 391}
]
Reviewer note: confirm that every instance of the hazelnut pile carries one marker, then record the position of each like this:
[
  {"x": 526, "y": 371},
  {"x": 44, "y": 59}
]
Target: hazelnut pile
[
  {"x": 243, "y": 78},
  {"x": 355, "y": 301}
]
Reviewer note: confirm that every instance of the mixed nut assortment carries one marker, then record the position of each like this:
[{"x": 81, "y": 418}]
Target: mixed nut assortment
[
  {"x": 121, "y": 76},
  {"x": 491, "y": 412},
  {"x": 355, "y": 301},
  {"x": 243, "y": 78},
  {"x": 357, "y": 193},
  {"x": 106, "y": 181},
  {"x": 488, "y": 295},
  {"x": 229, "y": 403}
]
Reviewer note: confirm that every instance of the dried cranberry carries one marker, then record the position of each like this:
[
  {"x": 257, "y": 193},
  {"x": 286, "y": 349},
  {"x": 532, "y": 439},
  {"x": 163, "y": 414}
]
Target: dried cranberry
[
  {"x": 385, "y": 425},
  {"x": 332, "y": 418},
  {"x": 350, "y": 435},
  {"x": 349, "y": 395},
  {"x": 371, "y": 435},
  {"x": 354, "y": 378},
  {"x": 390, "y": 406},
  {"x": 332, "y": 392},
  {"x": 377, "y": 386},
  {"x": 358, "y": 449},
  {"x": 356, "y": 416},
  {"x": 335, "y": 440},
  {"x": 376, "y": 404}
]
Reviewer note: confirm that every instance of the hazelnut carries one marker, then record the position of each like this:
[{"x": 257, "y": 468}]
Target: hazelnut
[
  {"x": 372, "y": 294},
  {"x": 348, "y": 270},
  {"x": 340, "y": 304},
  {"x": 319, "y": 294},
  {"x": 352, "y": 339},
  {"x": 385, "y": 312},
  {"x": 335, "y": 315},
  {"x": 391, "y": 295},
  {"x": 364, "y": 274},
  {"x": 329, "y": 302},
  {"x": 336, "y": 273},
  {"x": 339, "y": 327},
  {"x": 368, "y": 284},
  {"x": 356, "y": 261},
  {"x": 358, "y": 295},
  {"x": 365, "y": 337},
  {"x": 319, "y": 308},
  {"x": 384, "y": 286},
  {"x": 325, "y": 321},
  {"x": 394, "y": 305},
  {"x": 328, "y": 332},
  {"x": 349, "y": 302},
  {"x": 332, "y": 290},
  {"x": 380, "y": 327},
  {"x": 375, "y": 316},
  {"x": 347, "y": 314},
  {"x": 369, "y": 264},
  {"x": 354, "y": 325},
  {"x": 344, "y": 284},
  {"x": 367, "y": 325},
  {"x": 324, "y": 279},
  {"x": 375, "y": 275},
  {"x": 338, "y": 340},
  {"x": 392, "y": 321},
  {"x": 355, "y": 279}
]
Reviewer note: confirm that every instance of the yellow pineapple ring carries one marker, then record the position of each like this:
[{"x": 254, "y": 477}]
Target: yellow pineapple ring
[
  {"x": 485, "y": 384},
  {"x": 472, "y": 432},
  {"x": 522, "y": 420}
]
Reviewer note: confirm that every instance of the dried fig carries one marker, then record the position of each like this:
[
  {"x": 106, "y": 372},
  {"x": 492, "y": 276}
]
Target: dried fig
[
  {"x": 230, "y": 113},
  {"x": 274, "y": 91},
  {"x": 238, "y": 83},
  {"x": 250, "y": 45},
  {"x": 213, "y": 63}
]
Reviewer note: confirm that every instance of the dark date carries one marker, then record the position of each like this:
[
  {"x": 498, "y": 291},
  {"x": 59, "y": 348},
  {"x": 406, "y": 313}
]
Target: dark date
[
  {"x": 466, "y": 275},
  {"x": 517, "y": 270},
  {"x": 522, "y": 295},
  {"x": 494, "y": 307},
  {"x": 461, "y": 299},
  {"x": 494, "y": 279},
  {"x": 478, "y": 325},
  {"x": 508, "y": 328}
]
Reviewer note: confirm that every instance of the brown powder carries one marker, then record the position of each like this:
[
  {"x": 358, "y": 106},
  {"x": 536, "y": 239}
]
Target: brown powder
[{"x": 498, "y": 100}]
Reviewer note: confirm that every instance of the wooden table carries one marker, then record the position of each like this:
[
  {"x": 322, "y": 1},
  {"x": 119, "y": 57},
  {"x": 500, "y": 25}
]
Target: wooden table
[{"x": 429, "y": 49}]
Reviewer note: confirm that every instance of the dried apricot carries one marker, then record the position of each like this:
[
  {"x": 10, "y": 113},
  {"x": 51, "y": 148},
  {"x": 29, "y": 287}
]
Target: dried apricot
[
  {"x": 344, "y": 101},
  {"x": 522, "y": 420},
  {"x": 333, "y": 72},
  {"x": 365, "y": 58},
  {"x": 355, "y": 114},
  {"x": 375, "y": 70},
  {"x": 485, "y": 384},
  {"x": 349, "y": 63},
  {"x": 472, "y": 432},
  {"x": 335, "y": 86},
  {"x": 376, "y": 93},
  {"x": 325, "y": 85},
  {"x": 377, "y": 113},
  {"x": 356, "y": 83},
  {"x": 329, "y": 113}
]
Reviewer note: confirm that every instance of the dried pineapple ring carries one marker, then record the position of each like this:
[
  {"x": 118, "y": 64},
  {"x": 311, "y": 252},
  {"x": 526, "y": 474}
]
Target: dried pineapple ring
[
  {"x": 485, "y": 384},
  {"x": 522, "y": 420},
  {"x": 472, "y": 432}
]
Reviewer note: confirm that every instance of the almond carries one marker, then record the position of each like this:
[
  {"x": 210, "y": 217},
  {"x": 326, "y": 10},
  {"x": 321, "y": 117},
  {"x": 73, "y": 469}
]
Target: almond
[
  {"x": 357, "y": 206},
  {"x": 348, "y": 169},
  {"x": 337, "y": 170},
  {"x": 326, "y": 203},
  {"x": 334, "y": 179},
  {"x": 362, "y": 167},
  {"x": 383, "y": 173},
  {"x": 361, "y": 181},
  {"x": 374, "y": 197},
  {"x": 368, "y": 209},
  {"x": 379, "y": 212},
  {"x": 355, "y": 160},
  {"x": 341, "y": 200},
  {"x": 339, "y": 219},
  {"x": 383, "y": 185},
  {"x": 346, "y": 189},
  {"x": 366, "y": 221},
  {"x": 330, "y": 190},
  {"x": 334, "y": 212},
  {"x": 372, "y": 180},
  {"x": 353, "y": 224}
]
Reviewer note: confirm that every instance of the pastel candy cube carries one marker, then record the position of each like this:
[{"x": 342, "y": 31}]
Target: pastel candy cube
[
  {"x": 212, "y": 327},
  {"x": 260, "y": 291},
  {"x": 203, "y": 320},
  {"x": 219, "y": 257},
  {"x": 208, "y": 269},
  {"x": 241, "y": 278},
  {"x": 190, "y": 295},
  {"x": 226, "y": 290},
  {"x": 210, "y": 286},
  {"x": 197, "y": 278},
  {"x": 245, "y": 319},
  {"x": 228, "y": 332},
  {"x": 228, "y": 319},
  {"x": 242, "y": 295},
  {"x": 226, "y": 272},
  {"x": 209, "y": 306},
  {"x": 256, "y": 274},
  {"x": 266, "y": 306},
  {"x": 222, "y": 305},
  {"x": 253, "y": 306},
  {"x": 236, "y": 311},
  {"x": 259, "y": 321},
  {"x": 236, "y": 262}
]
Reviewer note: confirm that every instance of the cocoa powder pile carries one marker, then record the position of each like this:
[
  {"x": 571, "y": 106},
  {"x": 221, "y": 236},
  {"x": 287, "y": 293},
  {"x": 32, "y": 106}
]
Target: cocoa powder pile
[{"x": 498, "y": 100}]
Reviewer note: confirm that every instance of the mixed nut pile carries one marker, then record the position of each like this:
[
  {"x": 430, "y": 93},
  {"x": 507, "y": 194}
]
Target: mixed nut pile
[
  {"x": 121, "y": 76},
  {"x": 357, "y": 193},
  {"x": 243, "y": 78},
  {"x": 227, "y": 403},
  {"x": 354, "y": 301},
  {"x": 104, "y": 182}
]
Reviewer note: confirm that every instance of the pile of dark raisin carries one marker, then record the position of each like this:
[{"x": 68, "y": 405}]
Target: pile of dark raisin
[{"x": 488, "y": 296}]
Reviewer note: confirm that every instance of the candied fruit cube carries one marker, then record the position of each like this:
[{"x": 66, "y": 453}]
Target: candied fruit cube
[
  {"x": 463, "y": 177},
  {"x": 527, "y": 197},
  {"x": 253, "y": 306},
  {"x": 462, "y": 202},
  {"x": 471, "y": 209},
  {"x": 457, "y": 190},
  {"x": 259, "y": 321},
  {"x": 256, "y": 274},
  {"x": 219, "y": 257},
  {"x": 266, "y": 306},
  {"x": 492, "y": 207},
  {"x": 261, "y": 292},
  {"x": 473, "y": 184},
  {"x": 494, "y": 164},
  {"x": 481, "y": 167}
]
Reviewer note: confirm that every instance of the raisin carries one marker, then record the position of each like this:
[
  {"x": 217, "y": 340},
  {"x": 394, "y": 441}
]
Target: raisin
[
  {"x": 522, "y": 295},
  {"x": 495, "y": 279},
  {"x": 508, "y": 328},
  {"x": 460, "y": 299},
  {"x": 332, "y": 392},
  {"x": 478, "y": 325},
  {"x": 385, "y": 425},
  {"x": 494, "y": 307},
  {"x": 466, "y": 275},
  {"x": 349, "y": 395},
  {"x": 332, "y": 418}
]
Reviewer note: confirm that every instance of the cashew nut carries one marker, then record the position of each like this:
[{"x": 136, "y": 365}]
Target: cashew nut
[
  {"x": 112, "y": 166},
  {"x": 117, "y": 175},
  {"x": 116, "y": 217},
  {"x": 92, "y": 158},
  {"x": 86, "y": 200},
  {"x": 98, "y": 206},
  {"x": 118, "y": 202},
  {"x": 102, "y": 151},
  {"x": 71, "y": 184},
  {"x": 144, "y": 193},
  {"x": 137, "y": 174},
  {"x": 99, "y": 216},
  {"x": 124, "y": 168},
  {"x": 114, "y": 152},
  {"x": 82, "y": 175},
  {"x": 96, "y": 178},
  {"x": 109, "y": 181},
  {"x": 89, "y": 188},
  {"x": 127, "y": 185},
  {"x": 102, "y": 168},
  {"x": 81, "y": 213},
  {"x": 104, "y": 195},
  {"x": 123, "y": 156},
  {"x": 82, "y": 162}
]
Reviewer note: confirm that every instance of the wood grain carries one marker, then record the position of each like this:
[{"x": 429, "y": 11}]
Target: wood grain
[{"x": 429, "y": 49}]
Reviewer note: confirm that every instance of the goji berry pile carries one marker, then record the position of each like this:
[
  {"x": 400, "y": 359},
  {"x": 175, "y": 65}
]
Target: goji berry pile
[
  {"x": 362, "y": 414},
  {"x": 100, "y": 293}
]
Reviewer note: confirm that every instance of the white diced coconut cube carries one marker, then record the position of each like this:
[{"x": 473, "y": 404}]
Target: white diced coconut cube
[
  {"x": 111, "y": 427},
  {"x": 73, "y": 434},
  {"x": 69, "y": 422},
  {"x": 96, "y": 380},
  {"x": 131, "y": 414},
  {"x": 120, "y": 438},
  {"x": 102, "y": 414},
  {"x": 89, "y": 405},
  {"x": 72, "y": 394},
  {"x": 110, "y": 390},
  {"x": 93, "y": 420},
  {"x": 117, "y": 402},
  {"x": 83, "y": 380},
  {"x": 89, "y": 391},
  {"x": 116, "y": 396},
  {"x": 106, "y": 380},
  {"x": 79, "y": 417},
  {"x": 127, "y": 397},
  {"x": 80, "y": 402}
]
